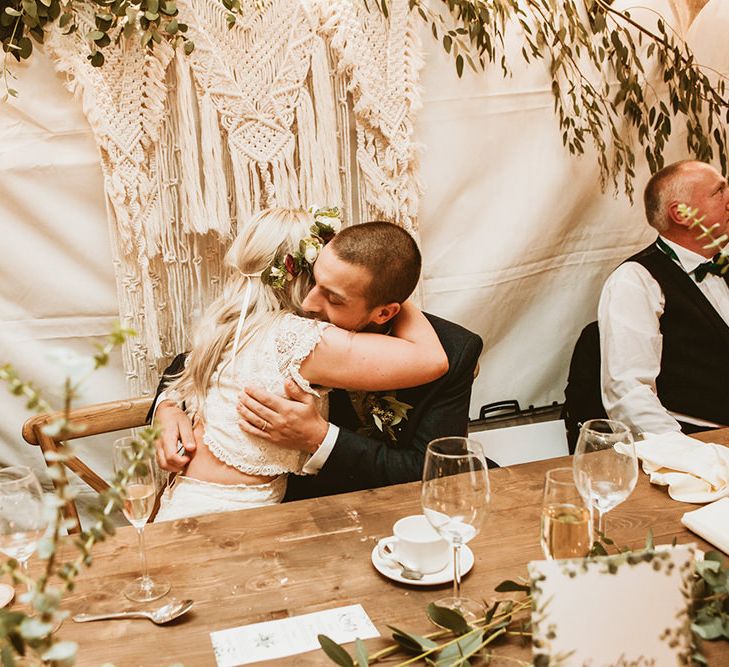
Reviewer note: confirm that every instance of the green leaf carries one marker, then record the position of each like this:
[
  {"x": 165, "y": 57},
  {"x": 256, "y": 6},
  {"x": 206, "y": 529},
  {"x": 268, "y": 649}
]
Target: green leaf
[
  {"x": 448, "y": 618},
  {"x": 189, "y": 46},
  {"x": 466, "y": 646},
  {"x": 711, "y": 629},
  {"x": 510, "y": 586},
  {"x": 714, "y": 556},
  {"x": 649, "y": 544},
  {"x": 26, "y": 47},
  {"x": 34, "y": 628},
  {"x": 410, "y": 641},
  {"x": 30, "y": 8},
  {"x": 459, "y": 65},
  {"x": 335, "y": 652},
  {"x": 61, "y": 651},
  {"x": 46, "y": 547},
  {"x": 360, "y": 653},
  {"x": 8, "y": 658},
  {"x": 11, "y": 11}
]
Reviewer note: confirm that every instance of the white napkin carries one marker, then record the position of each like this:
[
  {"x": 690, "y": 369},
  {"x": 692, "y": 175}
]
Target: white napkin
[
  {"x": 711, "y": 522},
  {"x": 694, "y": 471}
]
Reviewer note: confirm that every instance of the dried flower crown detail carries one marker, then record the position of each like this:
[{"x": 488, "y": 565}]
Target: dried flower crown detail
[{"x": 327, "y": 222}]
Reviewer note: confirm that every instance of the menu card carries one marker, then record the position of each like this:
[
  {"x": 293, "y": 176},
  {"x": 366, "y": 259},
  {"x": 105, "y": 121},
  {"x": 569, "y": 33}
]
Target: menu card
[
  {"x": 630, "y": 609},
  {"x": 287, "y": 636}
]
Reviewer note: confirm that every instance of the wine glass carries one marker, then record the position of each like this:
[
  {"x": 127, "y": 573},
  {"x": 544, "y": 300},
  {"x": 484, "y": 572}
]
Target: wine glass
[
  {"x": 141, "y": 492},
  {"x": 605, "y": 465},
  {"x": 455, "y": 497},
  {"x": 566, "y": 517},
  {"x": 22, "y": 515}
]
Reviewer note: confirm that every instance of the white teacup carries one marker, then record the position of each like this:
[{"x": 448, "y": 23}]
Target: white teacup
[{"x": 416, "y": 545}]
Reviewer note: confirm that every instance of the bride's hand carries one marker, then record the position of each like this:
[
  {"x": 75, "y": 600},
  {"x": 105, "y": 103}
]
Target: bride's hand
[{"x": 176, "y": 428}]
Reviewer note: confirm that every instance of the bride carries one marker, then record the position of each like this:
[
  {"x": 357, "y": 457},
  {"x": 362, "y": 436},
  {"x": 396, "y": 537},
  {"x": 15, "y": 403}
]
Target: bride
[{"x": 254, "y": 333}]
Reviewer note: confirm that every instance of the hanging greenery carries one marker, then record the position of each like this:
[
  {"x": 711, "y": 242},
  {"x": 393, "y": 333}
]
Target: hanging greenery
[
  {"x": 149, "y": 21},
  {"x": 614, "y": 80}
]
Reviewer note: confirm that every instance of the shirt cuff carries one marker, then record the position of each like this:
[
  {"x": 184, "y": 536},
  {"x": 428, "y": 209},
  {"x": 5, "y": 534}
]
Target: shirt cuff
[
  {"x": 319, "y": 457},
  {"x": 165, "y": 396}
]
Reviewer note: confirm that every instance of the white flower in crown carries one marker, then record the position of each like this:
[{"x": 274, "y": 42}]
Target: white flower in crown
[
  {"x": 276, "y": 272},
  {"x": 334, "y": 221},
  {"x": 310, "y": 248}
]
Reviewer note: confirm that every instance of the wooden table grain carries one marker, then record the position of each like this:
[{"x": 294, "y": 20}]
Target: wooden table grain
[{"x": 279, "y": 561}]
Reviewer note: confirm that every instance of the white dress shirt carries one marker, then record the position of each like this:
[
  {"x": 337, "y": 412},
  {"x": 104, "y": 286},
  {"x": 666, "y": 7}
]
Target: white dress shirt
[{"x": 629, "y": 313}]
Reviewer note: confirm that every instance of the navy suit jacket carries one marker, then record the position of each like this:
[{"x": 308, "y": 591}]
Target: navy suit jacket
[{"x": 440, "y": 408}]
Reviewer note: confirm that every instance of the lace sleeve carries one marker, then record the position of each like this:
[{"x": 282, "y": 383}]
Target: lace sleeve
[{"x": 295, "y": 340}]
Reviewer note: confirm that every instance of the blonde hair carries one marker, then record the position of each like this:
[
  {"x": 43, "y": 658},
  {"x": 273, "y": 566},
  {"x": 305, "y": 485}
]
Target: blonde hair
[{"x": 266, "y": 237}]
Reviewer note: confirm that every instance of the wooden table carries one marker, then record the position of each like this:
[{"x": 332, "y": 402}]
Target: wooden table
[{"x": 290, "y": 559}]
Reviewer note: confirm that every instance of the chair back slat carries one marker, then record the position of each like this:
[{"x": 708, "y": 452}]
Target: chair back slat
[{"x": 95, "y": 420}]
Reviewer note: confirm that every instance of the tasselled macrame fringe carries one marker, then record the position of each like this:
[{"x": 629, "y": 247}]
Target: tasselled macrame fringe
[
  {"x": 213, "y": 168},
  {"x": 191, "y": 190},
  {"x": 325, "y": 118}
]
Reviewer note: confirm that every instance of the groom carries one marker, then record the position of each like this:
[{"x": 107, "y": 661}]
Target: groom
[{"x": 361, "y": 278}]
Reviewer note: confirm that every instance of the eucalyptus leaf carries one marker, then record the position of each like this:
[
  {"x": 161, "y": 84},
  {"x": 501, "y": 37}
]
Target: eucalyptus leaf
[
  {"x": 411, "y": 641},
  {"x": 335, "y": 652},
  {"x": 466, "y": 646},
  {"x": 711, "y": 629},
  {"x": 448, "y": 618},
  {"x": 34, "y": 628},
  {"x": 61, "y": 651},
  {"x": 510, "y": 586},
  {"x": 360, "y": 653}
]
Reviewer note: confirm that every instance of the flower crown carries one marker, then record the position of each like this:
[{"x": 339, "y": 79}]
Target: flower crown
[{"x": 327, "y": 222}]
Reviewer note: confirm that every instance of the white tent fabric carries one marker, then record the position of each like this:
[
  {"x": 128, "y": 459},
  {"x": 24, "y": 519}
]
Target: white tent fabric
[{"x": 516, "y": 235}]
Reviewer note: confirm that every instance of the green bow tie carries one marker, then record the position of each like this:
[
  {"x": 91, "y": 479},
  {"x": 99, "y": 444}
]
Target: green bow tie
[{"x": 710, "y": 266}]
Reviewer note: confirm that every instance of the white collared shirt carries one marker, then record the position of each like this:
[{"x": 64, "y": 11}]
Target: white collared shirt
[{"x": 629, "y": 313}]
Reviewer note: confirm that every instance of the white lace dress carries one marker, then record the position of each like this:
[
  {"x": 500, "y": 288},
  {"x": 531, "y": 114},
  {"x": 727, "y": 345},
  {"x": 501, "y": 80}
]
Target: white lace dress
[{"x": 267, "y": 361}]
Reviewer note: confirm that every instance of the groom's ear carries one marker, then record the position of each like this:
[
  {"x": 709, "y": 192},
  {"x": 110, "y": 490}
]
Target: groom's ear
[{"x": 383, "y": 314}]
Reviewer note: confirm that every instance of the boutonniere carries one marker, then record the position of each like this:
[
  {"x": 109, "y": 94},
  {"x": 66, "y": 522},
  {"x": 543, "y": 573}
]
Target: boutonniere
[{"x": 385, "y": 413}]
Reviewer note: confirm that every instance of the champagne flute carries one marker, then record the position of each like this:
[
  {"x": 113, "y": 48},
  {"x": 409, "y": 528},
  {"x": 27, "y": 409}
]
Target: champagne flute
[
  {"x": 605, "y": 465},
  {"x": 22, "y": 515},
  {"x": 566, "y": 517},
  {"x": 455, "y": 497},
  {"x": 138, "y": 504}
]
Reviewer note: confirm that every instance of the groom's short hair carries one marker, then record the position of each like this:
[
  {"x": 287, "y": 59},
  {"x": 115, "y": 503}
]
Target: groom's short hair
[{"x": 388, "y": 252}]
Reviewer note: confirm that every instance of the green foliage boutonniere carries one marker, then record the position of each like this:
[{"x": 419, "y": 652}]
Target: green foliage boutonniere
[{"x": 386, "y": 413}]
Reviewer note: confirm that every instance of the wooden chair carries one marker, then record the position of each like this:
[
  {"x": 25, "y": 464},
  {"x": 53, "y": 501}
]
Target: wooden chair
[{"x": 96, "y": 419}]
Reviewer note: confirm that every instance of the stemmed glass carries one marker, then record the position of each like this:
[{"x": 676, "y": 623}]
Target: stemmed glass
[
  {"x": 455, "y": 497},
  {"x": 22, "y": 515},
  {"x": 566, "y": 517},
  {"x": 138, "y": 505},
  {"x": 605, "y": 465}
]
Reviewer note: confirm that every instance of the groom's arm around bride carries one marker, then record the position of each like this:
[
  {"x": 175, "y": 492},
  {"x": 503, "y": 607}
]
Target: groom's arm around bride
[{"x": 357, "y": 460}]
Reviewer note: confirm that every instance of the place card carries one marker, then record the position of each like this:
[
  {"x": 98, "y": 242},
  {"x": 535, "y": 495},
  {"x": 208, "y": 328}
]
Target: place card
[
  {"x": 630, "y": 609},
  {"x": 288, "y": 636}
]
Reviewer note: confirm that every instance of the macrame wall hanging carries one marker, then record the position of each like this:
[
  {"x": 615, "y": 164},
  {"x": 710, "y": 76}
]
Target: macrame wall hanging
[{"x": 299, "y": 103}]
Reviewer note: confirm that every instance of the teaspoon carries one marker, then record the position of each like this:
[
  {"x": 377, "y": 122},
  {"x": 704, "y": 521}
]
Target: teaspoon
[{"x": 164, "y": 614}]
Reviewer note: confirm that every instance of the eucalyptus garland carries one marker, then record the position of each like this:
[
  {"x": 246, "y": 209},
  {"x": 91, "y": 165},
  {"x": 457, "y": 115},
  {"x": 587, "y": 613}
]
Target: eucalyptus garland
[
  {"x": 460, "y": 642},
  {"x": 30, "y": 637},
  {"x": 614, "y": 80}
]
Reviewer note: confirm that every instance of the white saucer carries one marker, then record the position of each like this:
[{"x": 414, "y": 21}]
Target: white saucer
[{"x": 391, "y": 571}]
